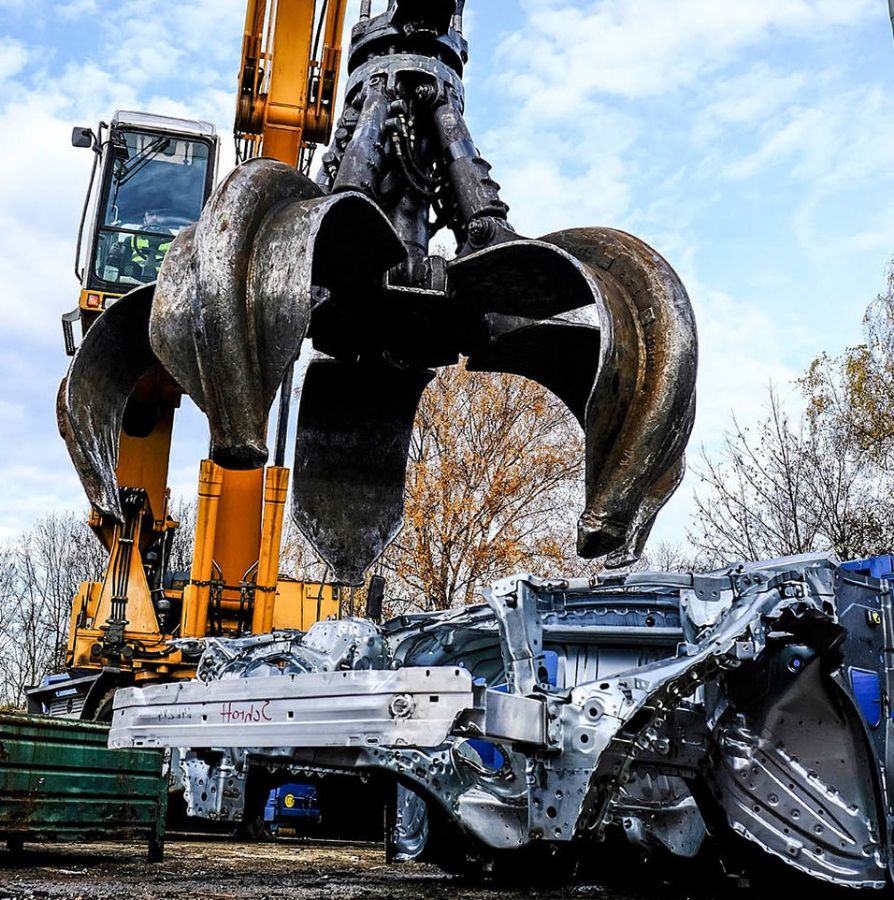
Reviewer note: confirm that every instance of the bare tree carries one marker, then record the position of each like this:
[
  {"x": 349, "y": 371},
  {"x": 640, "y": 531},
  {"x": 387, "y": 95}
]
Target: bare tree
[
  {"x": 8, "y": 611},
  {"x": 854, "y": 392},
  {"x": 823, "y": 482},
  {"x": 180, "y": 556},
  {"x": 664, "y": 556},
  {"x": 39, "y": 576},
  {"x": 789, "y": 488}
]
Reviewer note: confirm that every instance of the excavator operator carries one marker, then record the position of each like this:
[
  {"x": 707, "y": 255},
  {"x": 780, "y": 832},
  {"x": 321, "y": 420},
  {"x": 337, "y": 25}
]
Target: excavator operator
[{"x": 139, "y": 255}]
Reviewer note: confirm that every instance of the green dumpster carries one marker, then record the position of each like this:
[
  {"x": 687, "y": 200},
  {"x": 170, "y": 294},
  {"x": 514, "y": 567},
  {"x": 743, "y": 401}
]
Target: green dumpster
[{"x": 60, "y": 782}]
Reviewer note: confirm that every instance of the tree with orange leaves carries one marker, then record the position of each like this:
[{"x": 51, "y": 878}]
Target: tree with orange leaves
[
  {"x": 494, "y": 483},
  {"x": 854, "y": 393}
]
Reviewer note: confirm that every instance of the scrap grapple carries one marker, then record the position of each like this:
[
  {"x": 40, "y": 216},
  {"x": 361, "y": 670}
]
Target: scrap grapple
[{"x": 593, "y": 314}]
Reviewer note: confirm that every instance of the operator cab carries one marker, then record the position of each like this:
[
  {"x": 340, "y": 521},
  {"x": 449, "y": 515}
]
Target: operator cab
[{"x": 155, "y": 174}]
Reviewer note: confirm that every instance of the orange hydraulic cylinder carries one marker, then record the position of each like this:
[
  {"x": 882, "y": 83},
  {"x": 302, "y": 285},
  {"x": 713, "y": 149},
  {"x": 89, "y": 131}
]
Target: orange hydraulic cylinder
[
  {"x": 276, "y": 492},
  {"x": 318, "y": 124},
  {"x": 238, "y": 534},
  {"x": 194, "y": 620}
]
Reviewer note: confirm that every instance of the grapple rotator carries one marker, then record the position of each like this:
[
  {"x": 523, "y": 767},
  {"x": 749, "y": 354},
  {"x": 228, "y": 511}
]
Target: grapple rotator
[{"x": 594, "y": 315}]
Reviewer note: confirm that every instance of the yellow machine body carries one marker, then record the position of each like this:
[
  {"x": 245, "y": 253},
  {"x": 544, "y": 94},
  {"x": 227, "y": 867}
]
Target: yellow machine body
[{"x": 125, "y": 622}]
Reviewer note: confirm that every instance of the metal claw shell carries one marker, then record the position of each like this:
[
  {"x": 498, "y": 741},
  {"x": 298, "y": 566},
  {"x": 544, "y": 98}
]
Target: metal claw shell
[
  {"x": 354, "y": 427},
  {"x": 625, "y": 366},
  {"x": 226, "y": 337},
  {"x": 640, "y": 414},
  {"x": 114, "y": 355},
  {"x": 235, "y": 294}
]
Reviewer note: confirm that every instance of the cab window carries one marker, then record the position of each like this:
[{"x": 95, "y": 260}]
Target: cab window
[{"x": 156, "y": 188}]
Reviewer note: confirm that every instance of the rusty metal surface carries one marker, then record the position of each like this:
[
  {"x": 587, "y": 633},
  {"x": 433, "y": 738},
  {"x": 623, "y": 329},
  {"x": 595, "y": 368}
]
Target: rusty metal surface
[
  {"x": 530, "y": 348},
  {"x": 59, "y": 781},
  {"x": 520, "y": 278},
  {"x": 642, "y": 409},
  {"x": 226, "y": 336}
]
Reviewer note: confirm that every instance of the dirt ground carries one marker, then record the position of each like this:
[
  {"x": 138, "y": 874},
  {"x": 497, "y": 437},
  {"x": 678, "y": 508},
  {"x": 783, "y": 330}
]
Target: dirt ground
[
  {"x": 218, "y": 869},
  {"x": 221, "y": 869}
]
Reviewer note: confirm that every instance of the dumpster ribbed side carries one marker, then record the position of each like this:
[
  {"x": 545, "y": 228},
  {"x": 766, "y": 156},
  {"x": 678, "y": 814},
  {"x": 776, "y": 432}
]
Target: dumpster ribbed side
[{"x": 59, "y": 781}]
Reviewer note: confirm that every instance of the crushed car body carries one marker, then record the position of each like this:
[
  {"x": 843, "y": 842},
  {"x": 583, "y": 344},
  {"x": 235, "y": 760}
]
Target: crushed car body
[{"x": 753, "y": 700}]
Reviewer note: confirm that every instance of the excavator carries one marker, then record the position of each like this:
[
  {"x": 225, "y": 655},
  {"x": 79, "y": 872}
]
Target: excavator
[
  {"x": 502, "y": 726},
  {"x": 346, "y": 263},
  {"x": 742, "y": 715},
  {"x": 151, "y": 177},
  {"x": 220, "y": 309}
]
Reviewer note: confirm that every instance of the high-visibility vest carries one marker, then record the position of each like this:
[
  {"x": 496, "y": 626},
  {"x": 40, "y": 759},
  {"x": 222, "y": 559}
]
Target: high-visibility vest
[{"x": 139, "y": 246}]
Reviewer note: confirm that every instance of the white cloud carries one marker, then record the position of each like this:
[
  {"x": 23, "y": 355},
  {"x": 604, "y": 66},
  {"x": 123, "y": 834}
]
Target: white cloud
[
  {"x": 635, "y": 48},
  {"x": 176, "y": 41},
  {"x": 41, "y": 195},
  {"x": 748, "y": 98},
  {"x": 75, "y": 9},
  {"x": 13, "y": 57},
  {"x": 563, "y": 178},
  {"x": 743, "y": 349},
  {"x": 838, "y": 146},
  {"x": 845, "y": 134}
]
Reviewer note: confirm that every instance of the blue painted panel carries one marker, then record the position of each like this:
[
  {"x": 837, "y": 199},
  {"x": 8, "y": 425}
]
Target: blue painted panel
[
  {"x": 292, "y": 801},
  {"x": 491, "y": 757},
  {"x": 874, "y": 566},
  {"x": 868, "y": 691}
]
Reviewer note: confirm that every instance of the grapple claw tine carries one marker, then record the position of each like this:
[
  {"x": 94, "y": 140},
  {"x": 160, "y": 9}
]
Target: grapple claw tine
[
  {"x": 527, "y": 278},
  {"x": 628, "y": 377},
  {"x": 172, "y": 321},
  {"x": 641, "y": 411},
  {"x": 351, "y": 245},
  {"x": 114, "y": 355},
  {"x": 226, "y": 338},
  {"x": 563, "y": 356},
  {"x": 234, "y": 295},
  {"x": 641, "y": 527},
  {"x": 355, "y": 421},
  {"x": 303, "y": 245}
]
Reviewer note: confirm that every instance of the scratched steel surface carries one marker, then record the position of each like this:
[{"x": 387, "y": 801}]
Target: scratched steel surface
[{"x": 60, "y": 782}]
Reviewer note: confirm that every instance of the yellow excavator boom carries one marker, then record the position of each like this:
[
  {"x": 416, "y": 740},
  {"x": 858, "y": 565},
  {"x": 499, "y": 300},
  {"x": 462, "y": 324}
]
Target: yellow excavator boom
[{"x": 291, "y": 53}]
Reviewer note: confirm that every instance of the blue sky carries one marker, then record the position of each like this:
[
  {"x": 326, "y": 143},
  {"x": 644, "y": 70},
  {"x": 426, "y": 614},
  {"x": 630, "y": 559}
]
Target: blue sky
[{"x": 750, "y": 141}]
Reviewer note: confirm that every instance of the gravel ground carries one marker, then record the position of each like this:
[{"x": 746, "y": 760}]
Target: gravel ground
[
  {"x": 216, "y": 868},
  {"x": 223, "y": 869}
]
